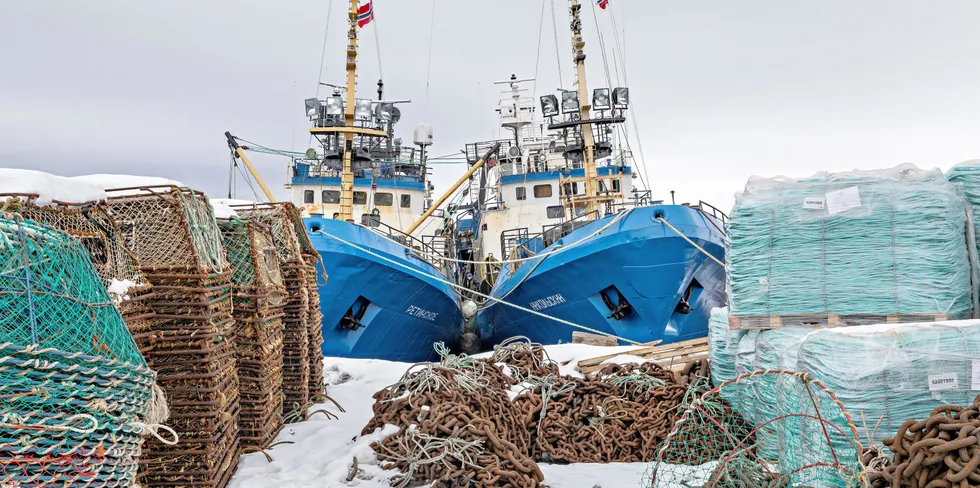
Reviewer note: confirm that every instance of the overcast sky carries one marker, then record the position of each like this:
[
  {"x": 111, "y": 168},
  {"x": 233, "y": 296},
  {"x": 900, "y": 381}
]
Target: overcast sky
[{"x": 721, "y": 89}]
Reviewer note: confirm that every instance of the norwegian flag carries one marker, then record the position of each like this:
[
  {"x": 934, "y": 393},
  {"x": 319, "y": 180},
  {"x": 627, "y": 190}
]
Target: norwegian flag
[
  {"x": 603, "y": 4},
  {"x": 365, "y": 14}
]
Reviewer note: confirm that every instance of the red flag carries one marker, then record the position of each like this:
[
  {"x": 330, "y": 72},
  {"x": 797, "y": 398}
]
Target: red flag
[
  {"x": 603, "y": 4},
  {"x": 365, "y": 14}
]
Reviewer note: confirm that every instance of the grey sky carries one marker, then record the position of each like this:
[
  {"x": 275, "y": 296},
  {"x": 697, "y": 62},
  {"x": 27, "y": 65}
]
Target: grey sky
[{"x": 722, "y": 89}]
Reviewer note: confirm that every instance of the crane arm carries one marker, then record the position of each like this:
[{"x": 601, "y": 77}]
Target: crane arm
[{"x": 240, "y": 154}]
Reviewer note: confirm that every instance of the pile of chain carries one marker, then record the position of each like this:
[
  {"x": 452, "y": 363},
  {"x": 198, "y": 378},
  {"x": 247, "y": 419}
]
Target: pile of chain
[
  {"x": 259, "y": 297},
  {"x": 488, "y": 421},
  {"x": 176, "y": 241},
  {"x": 92, "y": 225},
  {"x": 76, "y": 396},
  {"x": 302, "y": 353},
  {"x": 940, "y": 451}
]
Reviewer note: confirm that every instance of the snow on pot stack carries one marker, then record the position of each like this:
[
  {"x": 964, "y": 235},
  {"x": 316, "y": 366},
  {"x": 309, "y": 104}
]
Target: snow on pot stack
[
  {"x": 259, "y": 298},
  {"x": 76, "y": 395},
  {"x": 173, "y": 234}
]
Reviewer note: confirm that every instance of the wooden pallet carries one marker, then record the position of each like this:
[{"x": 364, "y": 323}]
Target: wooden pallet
[
  {"x": 762, "y": 322},
  {"x": 671, "y": 356}
]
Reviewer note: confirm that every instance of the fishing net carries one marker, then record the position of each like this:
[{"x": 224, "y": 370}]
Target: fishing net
[
  {"x": 76, "y": 396},
  {"x": 176, "y": 240},
  {"x": 966, "y": 177},
  {"x": 811, "y": 246},
  {"x": 258, "y": 298},
  {"x": 93, "y": 226},
  {"x": 712, "y": 445},
  {"x": 285, "y": 224}
]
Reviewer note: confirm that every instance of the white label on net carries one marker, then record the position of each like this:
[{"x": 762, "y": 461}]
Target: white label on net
[
  {"x": 813, "y": 203},
  {"x": 976, "y": 375},
  {"x": 943, "y": 381},
  {"x": 841, "y": 200}
]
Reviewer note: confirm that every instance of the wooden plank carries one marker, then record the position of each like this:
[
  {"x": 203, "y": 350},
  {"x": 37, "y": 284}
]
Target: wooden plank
[
  {"x": 664, "y": 352},
  {"x": 593, "y": 339},
  {"x": 667, "y": 362},
  {"x": 763, "y": 322},
  {"x": 645, "y": 351}
]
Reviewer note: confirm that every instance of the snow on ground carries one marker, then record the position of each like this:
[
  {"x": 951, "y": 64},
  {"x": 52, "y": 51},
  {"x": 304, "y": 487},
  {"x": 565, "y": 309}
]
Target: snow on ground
[
  {"x": 108, "y": 181},
  {"x": 49, "y": 187},
  {"x": 321, "y": 449}
]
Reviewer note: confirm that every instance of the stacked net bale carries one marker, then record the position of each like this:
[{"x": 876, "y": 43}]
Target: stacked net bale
[
  {"x": 92, "y": 225},
  {"x": 75, "y": 393},
  {"x": 966, "y": 177},
  {"x": 281, "y": 219},
  {"x": 886, "y": 374},
  {"x": 712, "y": 446},
  {"x": 259, "y": 297},
  {"x": 873, "y": 243},
  {"x": 315, "y": 276},
  {"x": 174, "y": 236},
  {"x": 722, "y": 346}
]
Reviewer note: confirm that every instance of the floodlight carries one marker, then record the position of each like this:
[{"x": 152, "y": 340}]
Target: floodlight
[
  {"x": 335, "y": 106},
  {"x": 549, "y": 105},
  {"x": 362, "y": 109},
  {"x": 387, "y": 112},
  {"x": 569, "y": 102},
  {"x": 312, "y": 107},
  {"x": 600, "y": 99},
  {"x": 621, "y": 97}
]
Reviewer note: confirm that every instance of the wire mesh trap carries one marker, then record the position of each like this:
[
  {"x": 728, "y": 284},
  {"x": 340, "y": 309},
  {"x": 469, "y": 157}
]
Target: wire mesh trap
[
  {"x": 76, "y": 396},
  {"x": 177, "y": 243},
  {"x": 807, "y": 438}
]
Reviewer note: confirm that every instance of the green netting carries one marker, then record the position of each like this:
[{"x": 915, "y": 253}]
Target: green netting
[
  {"x": 712, "y": 446},
  {"x": 75, "y": 393},
  {"x": 50, "y": 295},
  {"x": 813, "y": 246}
]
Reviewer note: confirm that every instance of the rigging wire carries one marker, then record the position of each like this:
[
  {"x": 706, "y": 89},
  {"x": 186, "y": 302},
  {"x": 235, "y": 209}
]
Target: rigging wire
[
  {"x": 428, "y": 69},
  {"x": 554, "y": 28},
  {"x": 323, "y": 54},
  {"x": 377, "y": 46}
]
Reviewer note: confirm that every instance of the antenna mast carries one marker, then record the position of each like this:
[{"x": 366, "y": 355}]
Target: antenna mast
[{"x": 588, "y": 154}]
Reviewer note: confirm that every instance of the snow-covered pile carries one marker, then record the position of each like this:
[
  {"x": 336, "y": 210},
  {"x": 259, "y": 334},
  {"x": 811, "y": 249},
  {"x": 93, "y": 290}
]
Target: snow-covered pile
[
  {"x": 109, "y": 182},
  {"x": 321, "y": 451},
  {"x": 221, "y": 209},
  {"x": 231, "y": 202},
  {"x": 49, "y": 187}
]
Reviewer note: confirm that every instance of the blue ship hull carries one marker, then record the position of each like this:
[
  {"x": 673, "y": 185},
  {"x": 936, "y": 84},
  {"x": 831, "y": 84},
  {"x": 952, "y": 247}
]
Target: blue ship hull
[
  {"x": 637, "y": 259},
  {"x": 399, "y": 314}
]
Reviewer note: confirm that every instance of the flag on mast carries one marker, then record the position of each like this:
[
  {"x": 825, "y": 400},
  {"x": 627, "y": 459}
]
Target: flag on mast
[
  {"x": 365, "y": 14},
  {"x": 603, "y": 4}
]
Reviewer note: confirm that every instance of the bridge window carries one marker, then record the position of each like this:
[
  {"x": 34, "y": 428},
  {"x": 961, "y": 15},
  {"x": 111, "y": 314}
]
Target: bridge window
[
  {"x": 572, "y": 188},
  {"x": 406, "y": 201},
  {"x": 308, "y": 196},
  {"x": 556, "y": 212},
  {"x": 383, "y": 199},
  {"x": 616, "y": 185},
  {"x": 360, "y": 198},
  {"x": 521, "y": 193},
  {"x": 331, "y": 196},
  {"x": 542, "y": 191}
]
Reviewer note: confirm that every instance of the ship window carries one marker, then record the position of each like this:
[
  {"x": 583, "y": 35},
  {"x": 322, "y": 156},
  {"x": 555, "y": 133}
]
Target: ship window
[
  {"x": 556, "y": 212},
  {"x": 571, "y": 188},
  {"x": 616, "y": 185},
  {"x": 383, "y": 199},
  {"x": 360, "y": 198},
  {"x": 331, "y": 196},
  {"x": 406, "y": 201},
  {"x": 521, "y": 193},
  {"x": 542, "y": 191},
  {"x": 308, "y": 196}
]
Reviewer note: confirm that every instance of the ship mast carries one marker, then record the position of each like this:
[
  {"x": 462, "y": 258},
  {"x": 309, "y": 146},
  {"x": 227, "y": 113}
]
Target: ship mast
[
  {"x": 591, "y": 178},
  {"x": 347, "y": 176}
]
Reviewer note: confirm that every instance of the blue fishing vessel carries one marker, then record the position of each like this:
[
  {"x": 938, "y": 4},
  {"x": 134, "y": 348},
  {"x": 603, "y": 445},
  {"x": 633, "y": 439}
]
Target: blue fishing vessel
[
  {"x": 563, "y": 240},
  {"x": 363, "y": 194}
]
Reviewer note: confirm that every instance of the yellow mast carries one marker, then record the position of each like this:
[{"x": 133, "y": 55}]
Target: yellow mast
[
  {"x": 347, "y": 176},
  {"x": 588, "y": 155}
]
